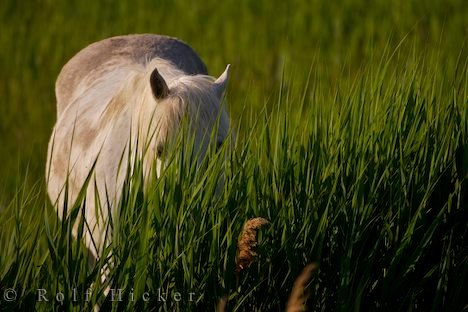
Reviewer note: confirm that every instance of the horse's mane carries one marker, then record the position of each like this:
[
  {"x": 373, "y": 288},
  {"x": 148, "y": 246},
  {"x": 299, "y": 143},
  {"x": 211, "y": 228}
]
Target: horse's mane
[
  {"x": 121, "y": 89},
  {"x": 192, "y": 94}
]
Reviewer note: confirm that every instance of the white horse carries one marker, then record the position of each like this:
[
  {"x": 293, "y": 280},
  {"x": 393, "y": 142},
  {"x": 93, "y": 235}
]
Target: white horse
[{"x": 112, "y": 94}]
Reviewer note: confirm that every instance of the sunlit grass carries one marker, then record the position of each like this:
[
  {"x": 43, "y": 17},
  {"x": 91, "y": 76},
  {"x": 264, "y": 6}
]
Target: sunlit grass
[
  {"x": 368, "y": 181},
  {"x": 351, "y": 125}
]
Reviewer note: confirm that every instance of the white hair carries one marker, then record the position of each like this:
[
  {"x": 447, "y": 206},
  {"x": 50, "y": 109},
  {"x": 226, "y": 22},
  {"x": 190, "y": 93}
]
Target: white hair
[{"x": 116, "y": 105}]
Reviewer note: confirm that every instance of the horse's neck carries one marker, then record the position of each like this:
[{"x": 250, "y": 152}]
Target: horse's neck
[{"x": 101, "y": 84}]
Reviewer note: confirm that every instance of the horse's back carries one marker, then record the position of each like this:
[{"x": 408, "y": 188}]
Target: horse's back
[{"x": 96, "y": 58}]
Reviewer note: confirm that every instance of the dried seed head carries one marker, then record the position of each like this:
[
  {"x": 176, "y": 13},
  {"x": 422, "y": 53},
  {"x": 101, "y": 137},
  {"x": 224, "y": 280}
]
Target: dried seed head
[
  {"x": 248, "y": 242},
  {"x": 299, "y": 293}
]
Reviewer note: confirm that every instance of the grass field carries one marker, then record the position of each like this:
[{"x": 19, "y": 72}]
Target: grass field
[{"x": 352, "y": 124}]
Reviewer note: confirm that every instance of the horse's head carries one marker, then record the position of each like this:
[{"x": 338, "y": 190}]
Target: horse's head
[{"x": 174, "y": 101}]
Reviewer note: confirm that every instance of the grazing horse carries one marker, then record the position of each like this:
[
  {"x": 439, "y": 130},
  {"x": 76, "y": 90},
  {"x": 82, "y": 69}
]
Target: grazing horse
[{"x": 114, "y": 93}]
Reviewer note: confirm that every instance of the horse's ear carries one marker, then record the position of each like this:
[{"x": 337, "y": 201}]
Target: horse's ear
[
  {"x": 158, "y": 85},
  {"x": 221, "y": 83}
]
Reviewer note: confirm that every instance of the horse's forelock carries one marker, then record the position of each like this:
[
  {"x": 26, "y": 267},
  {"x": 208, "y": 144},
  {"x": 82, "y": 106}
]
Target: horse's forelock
[{"x": 192, "y": 96}]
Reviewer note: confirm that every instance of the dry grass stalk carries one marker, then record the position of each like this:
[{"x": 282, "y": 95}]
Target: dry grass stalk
[
  {"x": 248, "y": 242},
  {"x": 299, "y": 294},
  {"x": 221, "y": 307}
]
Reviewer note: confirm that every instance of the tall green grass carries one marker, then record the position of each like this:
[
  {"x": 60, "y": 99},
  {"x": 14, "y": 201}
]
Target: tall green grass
[
  {"x": 351, "y": 124},
  {"x": 369, "y": 181},
  {"x": 336, "y": 40}
]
